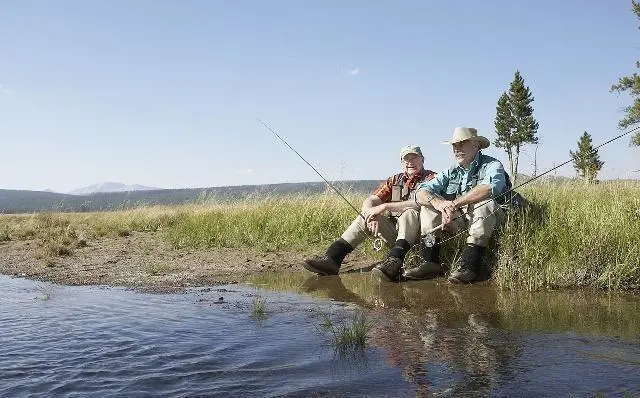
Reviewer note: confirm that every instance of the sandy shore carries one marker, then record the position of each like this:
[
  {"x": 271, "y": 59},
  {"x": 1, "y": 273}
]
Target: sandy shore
[{"x": 145, "y": 261}]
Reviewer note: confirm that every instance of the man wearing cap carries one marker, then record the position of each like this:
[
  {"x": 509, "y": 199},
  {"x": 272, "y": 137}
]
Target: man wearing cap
[
  {"x": 396, "y": 197},
  {"x": 462, "y": 197}
]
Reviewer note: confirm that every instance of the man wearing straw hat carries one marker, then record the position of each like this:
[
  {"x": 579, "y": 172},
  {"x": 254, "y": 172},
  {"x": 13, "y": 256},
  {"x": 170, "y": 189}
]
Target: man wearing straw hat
[
  {"x": 394, "y": 197},
  {"x": 461, "y": 197}
]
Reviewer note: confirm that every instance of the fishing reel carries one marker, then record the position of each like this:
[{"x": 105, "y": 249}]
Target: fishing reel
[
  {"x": 378, "y": 244},
  {"x": 429, "y": 240}
]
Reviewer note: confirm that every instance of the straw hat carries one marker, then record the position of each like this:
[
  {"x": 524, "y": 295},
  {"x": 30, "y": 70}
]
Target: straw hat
[{"x": 468, "y": 133}]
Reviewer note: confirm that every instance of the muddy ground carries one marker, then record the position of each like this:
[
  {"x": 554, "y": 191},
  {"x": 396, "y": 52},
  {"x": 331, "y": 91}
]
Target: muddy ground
[{"x": 146, "y": 261}]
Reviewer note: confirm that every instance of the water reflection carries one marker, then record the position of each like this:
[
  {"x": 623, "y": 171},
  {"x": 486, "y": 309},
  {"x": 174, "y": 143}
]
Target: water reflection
[{"x": 475, "y": 340}]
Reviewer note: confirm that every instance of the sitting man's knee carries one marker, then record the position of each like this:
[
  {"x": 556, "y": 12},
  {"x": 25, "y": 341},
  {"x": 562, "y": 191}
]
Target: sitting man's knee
[{"x": 410, "y": 214}]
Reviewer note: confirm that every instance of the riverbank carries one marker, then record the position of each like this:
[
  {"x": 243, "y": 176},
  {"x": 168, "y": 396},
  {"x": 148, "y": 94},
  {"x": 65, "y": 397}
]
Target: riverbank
[
  {"x": 573, "y": 235},
  {"x": 146, "y": 261},
  {"x": 143, "y": 261}
]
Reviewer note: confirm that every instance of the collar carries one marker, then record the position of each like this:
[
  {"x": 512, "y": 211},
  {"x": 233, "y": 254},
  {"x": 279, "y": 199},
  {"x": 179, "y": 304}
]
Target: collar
[{"x": 473, "y": 165}]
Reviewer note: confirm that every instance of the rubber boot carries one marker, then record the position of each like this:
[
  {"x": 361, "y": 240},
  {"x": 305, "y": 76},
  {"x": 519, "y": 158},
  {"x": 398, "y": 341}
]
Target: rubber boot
[
  {"x": 430, "y": 266},
  {"x": 389, "y": 269},
  {"x": 329, "y": 264},
  {"x": 469, "y": 264}
]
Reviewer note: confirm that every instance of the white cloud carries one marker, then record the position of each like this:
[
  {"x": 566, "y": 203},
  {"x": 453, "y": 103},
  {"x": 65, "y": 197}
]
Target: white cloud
[
  {"x": 353, "y": 71},
  {"x": 245, "y": 171},
  {"x": 5, "y": 90}
]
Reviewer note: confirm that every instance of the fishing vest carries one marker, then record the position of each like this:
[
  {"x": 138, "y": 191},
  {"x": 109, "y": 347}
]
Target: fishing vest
[
  {"x": 400, "y": 192},
  {"x": 454, "y": 188}
]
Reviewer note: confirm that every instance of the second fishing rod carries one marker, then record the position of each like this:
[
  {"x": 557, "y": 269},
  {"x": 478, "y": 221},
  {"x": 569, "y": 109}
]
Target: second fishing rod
[
  {"x": 507, "y": 196},
  {"x": 428, "y": 236}
]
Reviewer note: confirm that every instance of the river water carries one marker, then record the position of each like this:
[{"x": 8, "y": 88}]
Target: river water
[{"x": 425, "y": 339}]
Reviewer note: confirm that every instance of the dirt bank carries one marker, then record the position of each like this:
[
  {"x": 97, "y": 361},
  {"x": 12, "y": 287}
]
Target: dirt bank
[{"x": 145, "y": 261}]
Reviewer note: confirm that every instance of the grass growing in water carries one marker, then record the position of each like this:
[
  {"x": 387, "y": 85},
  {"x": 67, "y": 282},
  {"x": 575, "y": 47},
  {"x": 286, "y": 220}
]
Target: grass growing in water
[
  {"x": 259, "y": 308},
  {"x": 347, "y": 336}
]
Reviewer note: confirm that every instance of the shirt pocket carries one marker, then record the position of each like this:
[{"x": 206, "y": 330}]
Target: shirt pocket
[{"x": 453, "y": 188}]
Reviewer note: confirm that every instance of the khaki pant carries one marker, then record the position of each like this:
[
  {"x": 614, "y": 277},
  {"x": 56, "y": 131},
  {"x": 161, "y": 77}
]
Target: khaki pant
[
  {"x": 407, "y": 227},
  {"x": 480, "y": 219}
]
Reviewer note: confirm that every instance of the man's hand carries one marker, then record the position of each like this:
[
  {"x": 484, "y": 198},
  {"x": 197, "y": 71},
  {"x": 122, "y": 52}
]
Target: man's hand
[
  {"x": 374, "y": 227},
  {"x": 447, "y": 208},
  {"x": 371, "y": 213}
]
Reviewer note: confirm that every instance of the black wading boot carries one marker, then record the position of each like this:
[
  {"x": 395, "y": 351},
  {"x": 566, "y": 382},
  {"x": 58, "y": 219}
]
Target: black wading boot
[
  {"x": 469, "y": 264},
  {"x": 430, "y": 266},
  {"x": 389, "y": 269},
  {"x": 330, "y": 263}
]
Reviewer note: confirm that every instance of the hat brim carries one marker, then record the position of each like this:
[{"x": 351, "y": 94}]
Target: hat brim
[
  {"x": 484, "y": 142},
  {"x": 409, "y": 153}
]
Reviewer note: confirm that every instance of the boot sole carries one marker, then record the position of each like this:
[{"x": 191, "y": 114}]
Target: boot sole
[
  {"x": 315, "y": 270},
  {"x": 457, "y": 281},
  {"x": 428, "y": 276}
]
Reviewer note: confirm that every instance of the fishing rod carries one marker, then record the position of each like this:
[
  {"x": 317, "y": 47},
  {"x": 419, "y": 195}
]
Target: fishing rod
[
  {"x": 314, "y": 169},
  {"x": 430, "y": 238}
]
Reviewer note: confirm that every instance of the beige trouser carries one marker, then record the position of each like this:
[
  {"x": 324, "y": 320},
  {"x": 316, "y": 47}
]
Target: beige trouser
[
  {"x": 480, "y": 219},
  {"x": 408, "y": 228}
]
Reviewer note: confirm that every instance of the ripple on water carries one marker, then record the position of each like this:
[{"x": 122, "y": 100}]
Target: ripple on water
[{"x": 59, "y": 340}]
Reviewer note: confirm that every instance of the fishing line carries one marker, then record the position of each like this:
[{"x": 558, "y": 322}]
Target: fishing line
[
  {"x": 314, "y": 169},
  {"x": 524, "y": 183}
]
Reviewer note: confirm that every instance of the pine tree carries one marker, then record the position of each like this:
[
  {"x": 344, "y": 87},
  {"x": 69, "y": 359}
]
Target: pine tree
[
  {"x": 504, "y": 130},
  {"x": 515, "y": 125},
  {"x": 586, "y": 160},
  {"x": 631, "y": 83}
]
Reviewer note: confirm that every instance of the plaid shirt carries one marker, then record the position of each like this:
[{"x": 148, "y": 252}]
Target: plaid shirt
[{"x": 384, "y": 190}]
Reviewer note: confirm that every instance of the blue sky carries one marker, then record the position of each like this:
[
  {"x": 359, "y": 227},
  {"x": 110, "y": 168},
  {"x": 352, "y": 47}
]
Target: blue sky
[{"x": 167, "y": 93}]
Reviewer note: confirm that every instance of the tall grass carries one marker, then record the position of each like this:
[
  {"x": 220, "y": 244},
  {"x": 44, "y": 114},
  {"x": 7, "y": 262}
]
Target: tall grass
[
  {"x": 270, "y": 223},
  {"x": 572, "y": 235}
]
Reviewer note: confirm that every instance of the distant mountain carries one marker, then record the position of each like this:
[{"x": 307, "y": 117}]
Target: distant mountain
[
  {"x": 13, "y": 201},
  {"x": 111, "y": 187}
]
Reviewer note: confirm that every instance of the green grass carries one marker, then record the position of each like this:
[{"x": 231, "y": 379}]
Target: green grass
[
  {"x": 259, "y": 307},
  {"x": 574, "y": 234},
  {"x": 270, "y": 223},
  {"x": 348, "y": 335}
]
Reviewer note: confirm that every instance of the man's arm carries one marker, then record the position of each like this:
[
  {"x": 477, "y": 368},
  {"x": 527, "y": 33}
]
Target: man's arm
[
  {"x": 371, "y": 202},
  {"x": 477, "y": 194},
  {"x": 429, "y": 191},
  {"x": 397, "y": 206},
  {"x": 374, "y": 206}
]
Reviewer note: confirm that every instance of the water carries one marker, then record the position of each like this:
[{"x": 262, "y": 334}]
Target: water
[{"x": 427, "y": 339}]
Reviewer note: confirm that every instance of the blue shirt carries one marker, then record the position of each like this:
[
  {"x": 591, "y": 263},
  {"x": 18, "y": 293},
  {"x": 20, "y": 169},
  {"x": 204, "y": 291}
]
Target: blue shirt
[{"x": 457, "y": 181}]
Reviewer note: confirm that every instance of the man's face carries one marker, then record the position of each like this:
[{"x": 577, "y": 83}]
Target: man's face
[
  {"x": 412, "y": 164},
  {"x": 465, "y": 151}
]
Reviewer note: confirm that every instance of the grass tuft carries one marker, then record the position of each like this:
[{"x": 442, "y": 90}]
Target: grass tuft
[
  {"x": 259, "y": 308},
  {"x": 348, "y": 335}
]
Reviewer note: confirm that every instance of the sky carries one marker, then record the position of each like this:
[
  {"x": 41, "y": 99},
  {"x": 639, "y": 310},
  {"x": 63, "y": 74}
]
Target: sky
[{"x": 169, "y": 93}]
